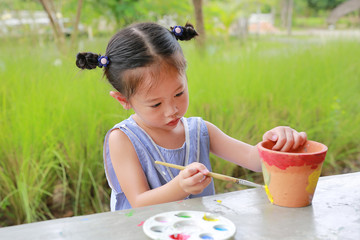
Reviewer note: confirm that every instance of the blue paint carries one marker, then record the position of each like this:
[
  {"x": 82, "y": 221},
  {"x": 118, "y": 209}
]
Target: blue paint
[
  {"x": 206, "y": 237},
  {"x": 220, "y": 228}
]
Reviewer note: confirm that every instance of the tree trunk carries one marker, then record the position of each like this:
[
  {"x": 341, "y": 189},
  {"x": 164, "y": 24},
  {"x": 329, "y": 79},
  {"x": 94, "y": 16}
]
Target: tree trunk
[
  {"x": 289, "y": 16},
  {"x": 76, "y": 23},
  {"x": 343, "y": 9},
  {"x": 284, "y": 8},
  {"x": 286, "y": 14},
  {"x": 49, "y": 8},
  {"x": 199, "y": 21}
]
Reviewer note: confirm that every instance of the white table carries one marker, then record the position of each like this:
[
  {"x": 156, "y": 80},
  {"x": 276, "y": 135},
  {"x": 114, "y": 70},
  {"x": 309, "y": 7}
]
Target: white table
[{"x": 334, "y": 214}]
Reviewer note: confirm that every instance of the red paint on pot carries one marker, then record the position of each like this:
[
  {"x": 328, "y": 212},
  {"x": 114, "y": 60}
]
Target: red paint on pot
[{"x": 310, "y": 154}]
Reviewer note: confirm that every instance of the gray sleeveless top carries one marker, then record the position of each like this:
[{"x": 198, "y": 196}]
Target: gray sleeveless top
[{"x": 195, "y": 149}]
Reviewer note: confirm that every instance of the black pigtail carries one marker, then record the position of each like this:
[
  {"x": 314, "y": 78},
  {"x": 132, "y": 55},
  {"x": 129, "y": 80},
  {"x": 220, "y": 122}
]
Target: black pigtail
[
  {"x": 87, "y": 60},
  {"x": 187, "y": 32}
]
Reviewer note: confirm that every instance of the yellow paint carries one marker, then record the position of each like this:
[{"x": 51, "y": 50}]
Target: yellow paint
[
  {"x": 219, "y": 201},
  {"x": 269, "y": 194},
  {"x": 210, "y": 218},
  {"x": 312, "y": 181}
]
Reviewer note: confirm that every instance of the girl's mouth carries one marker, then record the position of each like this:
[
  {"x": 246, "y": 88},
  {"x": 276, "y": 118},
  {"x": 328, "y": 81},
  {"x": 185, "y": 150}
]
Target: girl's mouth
[{"x": 174, "y": 122}]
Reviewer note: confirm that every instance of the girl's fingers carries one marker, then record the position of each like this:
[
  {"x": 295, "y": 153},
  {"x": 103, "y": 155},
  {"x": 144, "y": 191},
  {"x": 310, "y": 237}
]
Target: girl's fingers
[
  {"x": 297, "y": 140},
  {"x": 286, "y": 138},
  {"x": 194, "y": 168},
  {"x": 205, "y": 182},
  {"x": 281, "y": 139},
  {"x": 189, "y": 171},
  {"x": 289, "y": 141},
  {"x": 194, "y": 173},
  {"x": 270, "y": 135},
  {"x": 303, "y": 137},
  {"x": 195, "y": 179},
  {"x": 200, "y": 184},
  {"x": 195, "y": 183}
]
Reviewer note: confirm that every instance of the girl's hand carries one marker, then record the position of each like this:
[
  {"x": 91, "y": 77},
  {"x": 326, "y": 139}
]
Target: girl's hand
[
  {"x": 286, "y": 138},
  {"x": 193, "y": 179}
]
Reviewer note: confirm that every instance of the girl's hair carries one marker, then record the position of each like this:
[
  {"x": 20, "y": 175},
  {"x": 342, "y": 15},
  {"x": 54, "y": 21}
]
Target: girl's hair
[{"x": 135, "y": 51}]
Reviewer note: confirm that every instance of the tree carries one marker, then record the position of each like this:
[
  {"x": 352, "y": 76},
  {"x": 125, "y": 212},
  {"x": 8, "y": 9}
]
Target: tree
[
  {"x": 287, "y": 7},
  {"x": 76, "y": 23},
  {"x": 290, "y": 7},
  {"x": 323, "y": 4},
  {"x": 49, "y": 8},
  {"x": 198, "y": 8},
  {"x": 343, "y": 9}
]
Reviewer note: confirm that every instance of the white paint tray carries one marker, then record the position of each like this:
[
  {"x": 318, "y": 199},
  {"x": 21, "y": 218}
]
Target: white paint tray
[{"x": 189, "y": 225}]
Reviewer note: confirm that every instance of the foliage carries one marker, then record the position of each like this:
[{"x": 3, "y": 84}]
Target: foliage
[
  {"x": 125, "y": 12},
  {"x": 181, "y": 11},
  {"x": 323, "y": 4},
  {"x": 222, "y": 14},
  {"x": 19, "y": 5},
  {"x": 122, "y": 11},
  {"x": 106, "y": 16}
]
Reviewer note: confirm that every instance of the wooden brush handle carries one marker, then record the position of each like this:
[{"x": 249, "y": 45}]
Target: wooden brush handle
[{"x": 211, "y": 174}]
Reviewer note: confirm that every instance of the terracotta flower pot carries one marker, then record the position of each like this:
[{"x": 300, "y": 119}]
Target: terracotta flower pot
[{"x": 291, "y": 177}]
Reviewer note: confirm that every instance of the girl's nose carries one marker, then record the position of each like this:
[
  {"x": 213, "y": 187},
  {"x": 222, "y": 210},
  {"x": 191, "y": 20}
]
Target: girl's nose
[{"x": 171, "y": 109}]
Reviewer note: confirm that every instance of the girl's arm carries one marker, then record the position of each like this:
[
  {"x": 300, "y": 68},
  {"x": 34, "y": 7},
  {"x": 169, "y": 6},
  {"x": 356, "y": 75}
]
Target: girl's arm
[
  {"x": 133, "y": 182},
  {"x": 246, "y": 155}
]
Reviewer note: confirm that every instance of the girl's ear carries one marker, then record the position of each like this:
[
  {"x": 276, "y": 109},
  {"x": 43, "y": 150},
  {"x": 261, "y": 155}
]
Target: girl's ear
[{"x": 121, "y": 99}]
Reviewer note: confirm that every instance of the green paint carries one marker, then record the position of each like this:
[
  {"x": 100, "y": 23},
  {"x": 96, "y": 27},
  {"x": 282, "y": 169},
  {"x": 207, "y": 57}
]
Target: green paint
[
  {"x": 266, "y": 174},
  {"x": 182, "y": 215},
  {"x": 130, "y": 213}
]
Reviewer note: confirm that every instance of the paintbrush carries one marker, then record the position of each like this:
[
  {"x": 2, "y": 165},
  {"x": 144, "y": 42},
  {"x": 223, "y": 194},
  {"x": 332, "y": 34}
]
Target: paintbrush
[{"x": 216, "y": 175}]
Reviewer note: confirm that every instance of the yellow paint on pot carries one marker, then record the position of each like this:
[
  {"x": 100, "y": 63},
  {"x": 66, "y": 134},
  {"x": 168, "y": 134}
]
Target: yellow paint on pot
[
  {"x": 312, "y": 181},
  {"x": 269, "y": 194}
]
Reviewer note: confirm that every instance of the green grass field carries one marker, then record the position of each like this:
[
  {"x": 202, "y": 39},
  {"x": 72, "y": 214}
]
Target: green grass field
[{"x": 53, "y": 117}]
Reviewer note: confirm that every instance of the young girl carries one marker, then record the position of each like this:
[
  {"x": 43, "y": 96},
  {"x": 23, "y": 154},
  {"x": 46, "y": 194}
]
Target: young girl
[{"x": 145, "y": 64}]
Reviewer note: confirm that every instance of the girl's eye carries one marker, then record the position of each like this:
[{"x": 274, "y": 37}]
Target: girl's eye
[
  {"x": 156, "y": 105},
  {"x": 179, "y": 94}
]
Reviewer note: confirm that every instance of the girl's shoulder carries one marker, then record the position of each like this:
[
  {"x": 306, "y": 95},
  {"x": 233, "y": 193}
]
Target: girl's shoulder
[
  {"x": 118, "y": 138},
  {"x": 117, "y": 135}
]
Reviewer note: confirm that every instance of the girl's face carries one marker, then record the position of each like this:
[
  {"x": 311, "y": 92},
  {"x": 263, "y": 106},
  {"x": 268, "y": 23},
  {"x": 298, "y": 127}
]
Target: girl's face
[{"x": 162, "y": 104}]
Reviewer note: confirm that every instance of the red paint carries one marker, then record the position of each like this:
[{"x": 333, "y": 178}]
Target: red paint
[
  {"x": 284, "y": 160},
  {"x": 140, "y": 224},
  {"x": 179, "y": 236}
]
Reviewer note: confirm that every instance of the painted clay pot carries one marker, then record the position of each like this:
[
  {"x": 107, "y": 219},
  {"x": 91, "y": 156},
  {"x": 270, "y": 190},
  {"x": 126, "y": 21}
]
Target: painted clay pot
[{"x": 291, "y": 177}]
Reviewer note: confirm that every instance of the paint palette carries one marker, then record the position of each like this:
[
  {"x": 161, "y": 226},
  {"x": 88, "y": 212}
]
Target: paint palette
[{"x": 189, "y": 225}]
